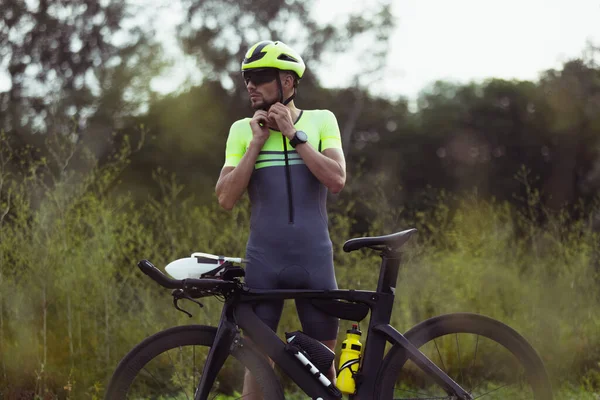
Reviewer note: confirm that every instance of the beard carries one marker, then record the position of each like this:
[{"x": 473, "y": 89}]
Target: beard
[
  {"x": 257, "y": 105},
  {"x": 261, "y": 102}
]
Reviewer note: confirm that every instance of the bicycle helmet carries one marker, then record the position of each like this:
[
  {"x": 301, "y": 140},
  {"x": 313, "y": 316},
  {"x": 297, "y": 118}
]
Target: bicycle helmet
[{"x": 276, "y": 55}]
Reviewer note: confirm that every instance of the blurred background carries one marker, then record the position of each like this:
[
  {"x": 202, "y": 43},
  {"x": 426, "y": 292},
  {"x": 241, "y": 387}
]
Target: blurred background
[{"x": 476, "y": 122}]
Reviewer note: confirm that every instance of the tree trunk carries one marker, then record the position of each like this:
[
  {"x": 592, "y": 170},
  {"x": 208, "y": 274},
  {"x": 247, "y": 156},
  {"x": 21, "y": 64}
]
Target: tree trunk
[
  {"x": 96, "y": 332},
  {"x": 2, "y": 350},
  {"x": 44, "y": 338},
  {"x": 561, "y": 185},
  {"x": 107, "y": 326},
  {"x": 70, "y": 331},
  {"x": 350, "y": 124},
  {"x": 80, "y": 343}
]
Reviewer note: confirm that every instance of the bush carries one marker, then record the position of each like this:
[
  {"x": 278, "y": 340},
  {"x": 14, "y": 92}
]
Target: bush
[{"x": 72, "y": 301}]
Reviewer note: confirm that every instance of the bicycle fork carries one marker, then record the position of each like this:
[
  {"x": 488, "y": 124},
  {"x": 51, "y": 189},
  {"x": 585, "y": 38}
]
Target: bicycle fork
[{"x": 226, "y": 337}]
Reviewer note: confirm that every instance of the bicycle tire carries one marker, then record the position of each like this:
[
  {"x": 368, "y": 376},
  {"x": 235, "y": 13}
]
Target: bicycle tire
[
  {"x": 453, "y": 324},
  {"x": 189, "y": 335}
]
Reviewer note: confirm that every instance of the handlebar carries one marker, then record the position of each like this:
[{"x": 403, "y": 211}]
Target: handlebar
[{"x": 202, "y": 284}]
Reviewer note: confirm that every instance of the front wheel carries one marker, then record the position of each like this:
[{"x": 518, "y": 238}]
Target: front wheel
[
  {"x": 485, "y": 357},
  {"x": 168, "y": 365}
]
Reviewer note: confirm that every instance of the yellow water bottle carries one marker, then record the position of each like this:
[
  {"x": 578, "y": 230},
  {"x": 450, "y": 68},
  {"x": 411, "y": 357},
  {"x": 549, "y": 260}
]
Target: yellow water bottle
[{"x": 349, "y": 361}]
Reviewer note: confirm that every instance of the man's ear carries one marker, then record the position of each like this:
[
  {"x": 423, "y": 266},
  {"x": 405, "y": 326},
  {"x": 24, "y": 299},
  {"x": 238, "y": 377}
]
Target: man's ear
[{"x": 289, "y": 80}]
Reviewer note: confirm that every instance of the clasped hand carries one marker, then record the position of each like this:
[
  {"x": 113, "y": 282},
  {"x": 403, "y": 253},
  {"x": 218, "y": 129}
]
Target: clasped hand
[{"x": 278, "y": 117}]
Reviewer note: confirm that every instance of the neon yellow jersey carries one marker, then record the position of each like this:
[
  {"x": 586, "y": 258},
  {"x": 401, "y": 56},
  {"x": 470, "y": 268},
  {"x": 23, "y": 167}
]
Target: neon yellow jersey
[
  {"x": 320, "y": 125},
  {"x": 288, "y": 201}
]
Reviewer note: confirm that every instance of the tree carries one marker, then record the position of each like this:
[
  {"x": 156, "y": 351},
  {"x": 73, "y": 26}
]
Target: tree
[
  {"x": 67, "y": 59},
  {"x": 572, "y": 101},
  {"x": 189, "y": 129},
  {"x": 219, "y": 33}
]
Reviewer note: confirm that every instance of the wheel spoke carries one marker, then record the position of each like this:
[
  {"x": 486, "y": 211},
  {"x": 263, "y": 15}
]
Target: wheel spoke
[
  {"x": 494, "y": 390},
  {"x": 473, "y": 363},
  {"x": 184, "y": 363},
  {"x": 177, "y": 373},
  {"x": 156, "y": 380},
  {"x": 427, "y": 395},
  {"x": 462, "y": 379},
  {"x": 440, "y": 355},
  {"x": 413, "y": 392},
  {"x": 491, "y": 372},
  {"x": 482, "y": 379},
  {"x": 194, "y": 381},
  {"x": 485, "y": 357},
  {"x": 160, "y": 366},
  {"x": 195, "y": 375}
]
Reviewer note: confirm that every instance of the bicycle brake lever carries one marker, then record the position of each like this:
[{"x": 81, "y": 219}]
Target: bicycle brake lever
[
  {"x": 179, "y": 294},
  {"x": 175, "y": 301},
  {"x": 187, "y": 297}
]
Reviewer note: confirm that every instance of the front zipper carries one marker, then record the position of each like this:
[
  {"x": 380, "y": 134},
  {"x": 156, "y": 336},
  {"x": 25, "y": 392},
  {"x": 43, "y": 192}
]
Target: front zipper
[{"x": 288, "y": 182}]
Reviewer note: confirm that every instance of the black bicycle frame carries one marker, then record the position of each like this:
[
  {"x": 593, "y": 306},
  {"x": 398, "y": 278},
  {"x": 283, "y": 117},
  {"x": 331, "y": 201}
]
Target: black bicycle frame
[{"x": 239, "y": 312}]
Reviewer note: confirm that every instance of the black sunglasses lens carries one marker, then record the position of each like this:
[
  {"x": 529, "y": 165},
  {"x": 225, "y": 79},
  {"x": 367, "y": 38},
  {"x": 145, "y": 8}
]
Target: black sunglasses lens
[{"x": 258, "y": 78}]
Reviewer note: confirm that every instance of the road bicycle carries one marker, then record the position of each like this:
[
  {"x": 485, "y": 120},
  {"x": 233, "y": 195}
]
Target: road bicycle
[{"x": 454, "y": 356}]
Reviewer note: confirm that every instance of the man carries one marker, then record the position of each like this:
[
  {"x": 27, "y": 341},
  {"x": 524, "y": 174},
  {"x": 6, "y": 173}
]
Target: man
[{"x": 286, "y": 158}]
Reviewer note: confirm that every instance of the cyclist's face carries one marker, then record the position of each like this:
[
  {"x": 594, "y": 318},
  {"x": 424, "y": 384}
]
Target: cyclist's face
[{"x": 262, "y": 87}]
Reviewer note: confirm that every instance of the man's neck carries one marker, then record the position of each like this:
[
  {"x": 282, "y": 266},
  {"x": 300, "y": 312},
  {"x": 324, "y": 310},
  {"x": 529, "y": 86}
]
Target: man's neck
[{"x": 294, "y": 111}]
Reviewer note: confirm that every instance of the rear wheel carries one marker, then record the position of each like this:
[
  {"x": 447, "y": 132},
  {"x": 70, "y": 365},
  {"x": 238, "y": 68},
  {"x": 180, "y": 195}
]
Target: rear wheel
[
  {"x": 485, "y": 357},
  {"x": 168, "y": 365}
]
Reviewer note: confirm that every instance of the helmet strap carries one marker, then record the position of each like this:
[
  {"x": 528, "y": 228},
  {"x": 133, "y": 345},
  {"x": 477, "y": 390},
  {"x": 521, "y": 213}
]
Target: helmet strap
[
  {"x": 280, "y": 86},
  {"x": 281, "y": 100},
  {"x": 285, "y": 103}
]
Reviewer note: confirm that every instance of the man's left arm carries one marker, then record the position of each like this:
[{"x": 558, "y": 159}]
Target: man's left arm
[{"x": 328, "y": 166}]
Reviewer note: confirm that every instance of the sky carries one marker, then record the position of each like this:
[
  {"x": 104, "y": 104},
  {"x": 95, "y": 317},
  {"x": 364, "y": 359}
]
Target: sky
[
  {"x": 459, "y": 40},
  {"x": 464, "y": 40}
]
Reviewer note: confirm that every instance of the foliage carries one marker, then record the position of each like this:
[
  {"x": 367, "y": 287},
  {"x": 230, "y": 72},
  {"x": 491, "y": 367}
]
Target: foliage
[
  {"x": 72, "y": 302},
  {"x": 501, "y": 178},
  {"x": 219, "y": 33},
  {"x": 72, "y": 60}
]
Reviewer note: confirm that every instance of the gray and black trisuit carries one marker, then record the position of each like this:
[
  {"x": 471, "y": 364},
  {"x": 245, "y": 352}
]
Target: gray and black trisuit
[{"x": 289, "y": 245}]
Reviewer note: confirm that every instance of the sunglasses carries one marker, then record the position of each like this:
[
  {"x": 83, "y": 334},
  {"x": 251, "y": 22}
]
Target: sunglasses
[{"x": 259, "y": 77}]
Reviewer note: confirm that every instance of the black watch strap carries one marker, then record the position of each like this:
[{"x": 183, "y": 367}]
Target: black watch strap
[{"x": 299, "y": 138}]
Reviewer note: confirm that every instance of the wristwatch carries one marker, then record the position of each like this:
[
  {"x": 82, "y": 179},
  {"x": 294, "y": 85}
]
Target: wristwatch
[{"x": 299, "y": 138}]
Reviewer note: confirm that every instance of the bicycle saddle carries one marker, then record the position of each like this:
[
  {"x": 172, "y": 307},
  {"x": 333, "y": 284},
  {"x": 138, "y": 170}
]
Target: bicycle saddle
[{"x": 391, "y": 242}]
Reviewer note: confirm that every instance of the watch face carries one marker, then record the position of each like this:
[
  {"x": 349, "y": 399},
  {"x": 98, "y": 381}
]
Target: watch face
[{"x": 302, "y": 136}]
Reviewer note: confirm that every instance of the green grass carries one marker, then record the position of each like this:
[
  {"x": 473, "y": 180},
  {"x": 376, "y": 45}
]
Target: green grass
[{"x": 73, "y": 302}]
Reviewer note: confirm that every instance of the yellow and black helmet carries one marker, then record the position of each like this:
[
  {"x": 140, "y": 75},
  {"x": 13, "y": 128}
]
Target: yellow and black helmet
[{"x": 278, "y": 55}]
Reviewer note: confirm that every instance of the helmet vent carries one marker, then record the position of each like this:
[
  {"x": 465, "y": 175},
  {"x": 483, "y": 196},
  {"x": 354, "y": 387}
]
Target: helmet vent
[
  {"x": 286, "y": 57},
  {"x": 255, "y": 57},
  {"x": 257, "y": 54}
]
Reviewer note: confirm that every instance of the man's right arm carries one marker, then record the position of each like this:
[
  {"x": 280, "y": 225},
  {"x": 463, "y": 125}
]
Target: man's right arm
[
  {"x": 233, "y": 181},
  {"x": 235, "y": 175}
]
